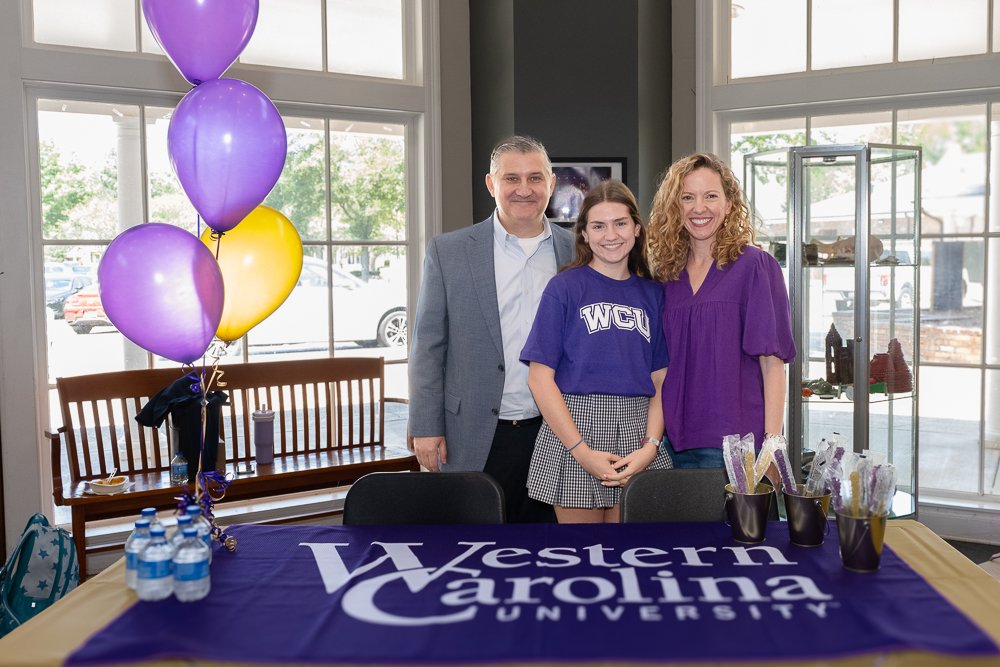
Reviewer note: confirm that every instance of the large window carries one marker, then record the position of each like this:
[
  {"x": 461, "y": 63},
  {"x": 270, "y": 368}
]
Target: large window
[
  {"x": 361, "y": 37},
  {"x": 896, "y": 64},
  {"x": 352, "y": 296},
  {"x": 346, "y": 185},
  {"x": 771, "y": 37}
]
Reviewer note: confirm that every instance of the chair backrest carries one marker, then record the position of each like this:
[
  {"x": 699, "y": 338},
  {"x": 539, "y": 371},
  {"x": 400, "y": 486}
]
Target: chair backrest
[
  {"x": 677, "y": 494},
  {"x": 382, "y": 498}
]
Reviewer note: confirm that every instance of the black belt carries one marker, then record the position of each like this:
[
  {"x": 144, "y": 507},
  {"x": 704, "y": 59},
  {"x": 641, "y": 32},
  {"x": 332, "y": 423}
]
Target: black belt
[{"x": 530, "y": 421}]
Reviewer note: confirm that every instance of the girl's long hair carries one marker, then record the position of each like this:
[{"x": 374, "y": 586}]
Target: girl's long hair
[{"x": 613, "y": 191}]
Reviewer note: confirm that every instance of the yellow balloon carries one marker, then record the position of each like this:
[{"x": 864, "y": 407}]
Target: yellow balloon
[{"x": 261, "y": 259}]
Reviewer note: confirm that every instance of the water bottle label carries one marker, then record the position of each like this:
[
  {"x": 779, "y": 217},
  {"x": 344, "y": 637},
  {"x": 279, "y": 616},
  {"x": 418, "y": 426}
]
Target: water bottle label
[
  {"x": 155, "y": 569},
  {"x": 131, "y": 560},
  {"x": 178, "y": 471},
  {"x": 207, "y": 539},
  {"x": 191, "y": 571}
]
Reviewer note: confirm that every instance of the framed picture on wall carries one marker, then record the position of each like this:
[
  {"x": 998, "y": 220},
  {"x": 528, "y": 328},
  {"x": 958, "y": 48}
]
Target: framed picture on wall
[{"x": 574, "y": 178}]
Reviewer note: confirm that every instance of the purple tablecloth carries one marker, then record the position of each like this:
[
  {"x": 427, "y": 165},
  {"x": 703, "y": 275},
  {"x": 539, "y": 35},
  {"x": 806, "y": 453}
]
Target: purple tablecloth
[{"x": 639, "y": 592}]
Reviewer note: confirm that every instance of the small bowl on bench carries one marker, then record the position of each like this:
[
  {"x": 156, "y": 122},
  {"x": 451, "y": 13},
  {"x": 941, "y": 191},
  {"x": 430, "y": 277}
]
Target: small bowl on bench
[{"x": 108, "y": 486}]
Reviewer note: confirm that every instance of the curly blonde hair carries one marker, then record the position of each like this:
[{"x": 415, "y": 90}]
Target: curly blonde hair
[{"x": 668, "y": 244}]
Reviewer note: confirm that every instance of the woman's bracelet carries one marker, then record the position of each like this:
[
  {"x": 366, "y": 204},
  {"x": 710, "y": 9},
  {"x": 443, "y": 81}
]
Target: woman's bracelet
[
  {"x": 650, "y": 441},
  {"x": 578, "y": 443}
]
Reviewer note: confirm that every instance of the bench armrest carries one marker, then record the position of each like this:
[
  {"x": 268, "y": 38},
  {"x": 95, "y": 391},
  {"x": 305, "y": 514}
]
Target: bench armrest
[{"x": 55, "y": 452}]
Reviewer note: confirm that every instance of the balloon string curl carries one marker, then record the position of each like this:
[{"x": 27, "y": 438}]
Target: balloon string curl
[
  {"x": 210, "y": 487},
  {"x": 217, "y": 237}
]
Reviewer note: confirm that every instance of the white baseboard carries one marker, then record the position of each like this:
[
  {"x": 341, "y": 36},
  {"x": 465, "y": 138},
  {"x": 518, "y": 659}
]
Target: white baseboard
[{"x": 980, "y": 525}]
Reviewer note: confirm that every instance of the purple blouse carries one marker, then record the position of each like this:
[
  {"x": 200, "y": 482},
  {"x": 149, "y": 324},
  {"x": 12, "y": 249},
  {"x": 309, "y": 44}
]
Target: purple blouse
[{"x": 714, "y": 385}]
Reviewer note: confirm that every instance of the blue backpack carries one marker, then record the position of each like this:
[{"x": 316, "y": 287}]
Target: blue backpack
[{"x": 41, "y": 569}]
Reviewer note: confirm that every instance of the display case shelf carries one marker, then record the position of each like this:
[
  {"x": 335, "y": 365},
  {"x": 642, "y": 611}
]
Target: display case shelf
[{"x": 853, "y": 214}]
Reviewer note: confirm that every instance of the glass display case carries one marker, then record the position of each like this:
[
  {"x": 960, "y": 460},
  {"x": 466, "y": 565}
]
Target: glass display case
[{"x": 844, "y": 223}]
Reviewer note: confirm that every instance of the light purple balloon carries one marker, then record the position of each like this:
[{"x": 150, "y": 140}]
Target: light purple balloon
[
  {"x": 227, "y": 146},
  {"x": 161, "y": 286},
  {"x": 202, "y": 38}
]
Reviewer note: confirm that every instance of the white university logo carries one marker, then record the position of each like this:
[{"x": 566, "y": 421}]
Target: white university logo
[
  {"x": 603, "y": 316},
  {"x": 485, "y": 580}
]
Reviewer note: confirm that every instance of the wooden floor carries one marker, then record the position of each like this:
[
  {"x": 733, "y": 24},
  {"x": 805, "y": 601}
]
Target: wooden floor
[{"x": 974, "y": 551}]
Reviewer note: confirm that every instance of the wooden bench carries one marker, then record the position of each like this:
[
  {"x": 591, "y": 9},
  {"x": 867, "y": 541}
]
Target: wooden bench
[{"x": 329, "y": 431}]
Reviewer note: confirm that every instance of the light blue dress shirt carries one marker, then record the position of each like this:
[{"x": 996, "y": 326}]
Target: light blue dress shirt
[{"x": 521, "y": 279}]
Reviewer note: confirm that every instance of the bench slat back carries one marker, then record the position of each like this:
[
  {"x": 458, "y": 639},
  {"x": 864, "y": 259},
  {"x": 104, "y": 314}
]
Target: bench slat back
[{"x": 319, "y": 404}]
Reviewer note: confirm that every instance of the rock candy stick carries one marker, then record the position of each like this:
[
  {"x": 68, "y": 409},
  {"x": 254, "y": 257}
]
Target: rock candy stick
[
  {"x": 817, "y": 470},
  {"x": 885, "y": 488},
  {"x": 727, "y": 456},
  {"x": 855, "y": 493},
  {"x": 766, "y": 456},
  {"x": 784, "y": 470},
  {"x": 748, "y": 467}
]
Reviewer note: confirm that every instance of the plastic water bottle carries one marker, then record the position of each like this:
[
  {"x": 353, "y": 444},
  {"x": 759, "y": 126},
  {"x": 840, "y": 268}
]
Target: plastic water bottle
[
  {"x": 156, "y": 575},
  {"x": 192, "y": 580},
  {"x": 183, "y": 521},
  {"x": 133, "y": 545},
  {"x": 150, "y": 513},
  {"x": 179, "y": 463},
  {"x": 178, "y": 470},
  {"x": 199, "y": 521}
]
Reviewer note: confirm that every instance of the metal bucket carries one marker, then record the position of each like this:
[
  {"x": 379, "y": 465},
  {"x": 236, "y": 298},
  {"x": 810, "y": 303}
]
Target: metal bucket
[
  {"x": 861, "y": 540},
  {"x": 747, "y": 513},
  {"x": 807, "y": 518}
]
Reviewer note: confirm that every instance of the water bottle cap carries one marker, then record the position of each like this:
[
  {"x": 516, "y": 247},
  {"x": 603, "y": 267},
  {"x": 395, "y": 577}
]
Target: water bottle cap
[
  {"x": 142, "y": 523},
  {"x": 183, "y": 518},
  {"x": 190, "y": 532},
  {"x": 157, "y": 530},
  {"x": 193, "y": 510},
  {"x": 148, "y": 511}
]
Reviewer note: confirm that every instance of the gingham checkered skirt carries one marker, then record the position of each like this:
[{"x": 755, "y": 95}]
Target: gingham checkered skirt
[{"x": 615, "y": 424}]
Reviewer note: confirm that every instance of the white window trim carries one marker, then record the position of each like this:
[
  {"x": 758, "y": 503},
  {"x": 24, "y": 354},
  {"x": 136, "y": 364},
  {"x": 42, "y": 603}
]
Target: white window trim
[{"x": 944, "y": 81}]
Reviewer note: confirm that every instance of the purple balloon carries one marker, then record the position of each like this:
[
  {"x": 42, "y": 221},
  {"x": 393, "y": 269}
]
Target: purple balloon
[
  {"x": 202, "y": 38},
  {"x": 227, "y": 146},
  {"x": 161, "y": 286}
]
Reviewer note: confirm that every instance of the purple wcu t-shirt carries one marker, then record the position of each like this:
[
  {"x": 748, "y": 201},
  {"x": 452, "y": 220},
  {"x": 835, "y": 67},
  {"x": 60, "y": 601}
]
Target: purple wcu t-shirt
[
  {"x": 714, "y": 385},
  {"x": 601, "y": 335}
]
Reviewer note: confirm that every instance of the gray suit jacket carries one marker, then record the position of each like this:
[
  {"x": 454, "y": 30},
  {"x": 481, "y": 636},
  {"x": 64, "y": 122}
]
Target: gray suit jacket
[{"x": 456, "y": 367}]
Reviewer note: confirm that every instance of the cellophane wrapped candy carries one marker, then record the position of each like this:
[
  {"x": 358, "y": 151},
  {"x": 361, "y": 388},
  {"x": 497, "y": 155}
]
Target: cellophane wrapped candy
[
  {"x": 766, "y": 456},
  {"x": 784, "y": 466},
  {"x": 862, "y": 485},
  {"x": 734, "y": 457},
  {"x": 818, "y": 482}
]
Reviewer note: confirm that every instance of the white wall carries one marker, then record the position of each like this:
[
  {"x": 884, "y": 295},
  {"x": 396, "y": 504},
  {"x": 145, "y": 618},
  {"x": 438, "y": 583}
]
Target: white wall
[{"x": 19, "y": 333}]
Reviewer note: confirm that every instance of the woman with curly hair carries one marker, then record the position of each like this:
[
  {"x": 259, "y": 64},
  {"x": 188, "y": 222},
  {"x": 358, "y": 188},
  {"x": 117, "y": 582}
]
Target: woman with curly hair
[{"x": 725, "y": 313}]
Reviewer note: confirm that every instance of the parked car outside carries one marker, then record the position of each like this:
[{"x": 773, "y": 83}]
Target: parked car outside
[
  {"x": 83, "y": 310},
  {"x": 364, "y": 312},
  {"x": 60, "y": 286},
  {"x": 840, "y": 281}
]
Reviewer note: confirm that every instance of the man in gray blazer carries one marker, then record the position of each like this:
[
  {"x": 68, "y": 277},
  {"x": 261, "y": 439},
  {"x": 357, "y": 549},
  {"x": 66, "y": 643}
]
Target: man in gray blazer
[{"x": 470, "y": 406}]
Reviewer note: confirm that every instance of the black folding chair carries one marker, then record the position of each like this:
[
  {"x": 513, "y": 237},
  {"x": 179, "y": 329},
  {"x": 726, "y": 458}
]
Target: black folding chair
[
  {"x": 679, "y": 494},
  {"x": 676, "y": 494},
  {"x": 384, "y": 498}
]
